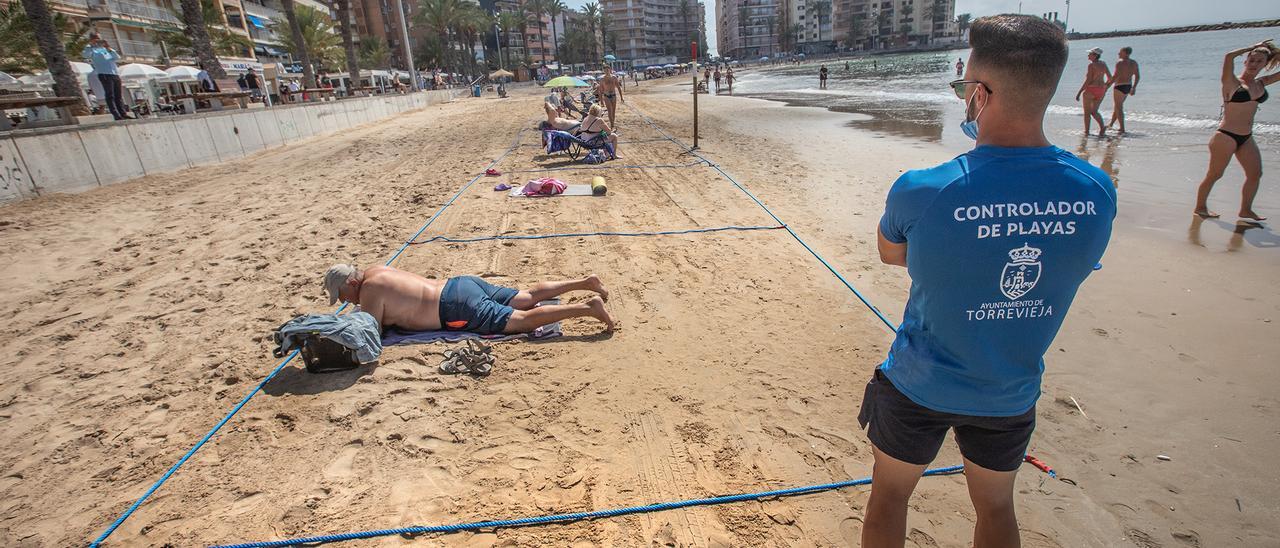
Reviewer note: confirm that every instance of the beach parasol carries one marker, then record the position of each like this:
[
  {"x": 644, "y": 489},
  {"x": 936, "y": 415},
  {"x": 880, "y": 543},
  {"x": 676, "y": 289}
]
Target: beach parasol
[
  {"x": 183, "y": 73},
  {"x": 566, "y": 82},
  {"x": 82, "y": 71},
  {"x": 141, "y": 71},
  {"x": 610, "y": 57},
  {"x": 8, "y": 81},
  {"x": 588, "y": 77},
  {"x": 500, "y": 74}
]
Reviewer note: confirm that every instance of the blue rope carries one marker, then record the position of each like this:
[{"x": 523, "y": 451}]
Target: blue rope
[
  {"x": 585, "y": 234},
  {"x": 576, "y": 516},
  {"x": 766, "y": 209},
  {"x": 172, "y": 469}
]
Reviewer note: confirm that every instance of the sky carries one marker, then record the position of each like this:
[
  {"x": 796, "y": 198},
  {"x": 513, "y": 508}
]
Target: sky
[{"x": 1097, "y": 15}]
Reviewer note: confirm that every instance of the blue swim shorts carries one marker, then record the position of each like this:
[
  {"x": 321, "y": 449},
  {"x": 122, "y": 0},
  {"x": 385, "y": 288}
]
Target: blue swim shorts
[{"x": 468, "y": 303}]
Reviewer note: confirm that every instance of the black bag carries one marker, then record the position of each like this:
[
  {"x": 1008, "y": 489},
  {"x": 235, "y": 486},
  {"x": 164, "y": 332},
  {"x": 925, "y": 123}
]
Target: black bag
[{"x": 321, "y": 355}]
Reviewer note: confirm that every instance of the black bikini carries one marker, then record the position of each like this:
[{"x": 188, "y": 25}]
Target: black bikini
[{"x": 1241, "y": 95}]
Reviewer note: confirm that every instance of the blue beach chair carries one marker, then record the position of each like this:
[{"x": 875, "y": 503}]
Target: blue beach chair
[{"x": 574, "y": 146}]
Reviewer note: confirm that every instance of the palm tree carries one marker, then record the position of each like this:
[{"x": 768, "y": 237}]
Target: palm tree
[
  {"x": 19, "y": 53},
  {"x": 603, "y": 22},
  {"x": 509, "y": 22},
  {"x": 348, "y": 45},
  {"x": 193, "y": 20},
  {"x": 295, "y": 37},
  {"x": 535, "y": 9},
  {"x": 820, "y": 9},
  {"x": 962, "y": 22},
  {"x": 313, "y": 40},
  {"x": 55, "y": 55},
  {"x": 440, "y": 16},
  {"x": 904, "y": 24},
  {"x": 685, "y": 10},
  {"x": 592, "y": 11},
  {"x": 554, "y": 9},
  {"x": 374, "y": 53},
  {"x": 179, "y": 41}
]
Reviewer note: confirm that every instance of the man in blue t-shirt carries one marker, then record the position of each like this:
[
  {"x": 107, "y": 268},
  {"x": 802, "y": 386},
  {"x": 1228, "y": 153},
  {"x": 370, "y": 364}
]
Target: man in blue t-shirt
[
  {"x": 996, "y": 242},
  {"x": 103, "y": 59}
]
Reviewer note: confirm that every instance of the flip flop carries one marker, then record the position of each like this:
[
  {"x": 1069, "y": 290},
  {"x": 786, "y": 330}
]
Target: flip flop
[{"x": 492, "y": 172}]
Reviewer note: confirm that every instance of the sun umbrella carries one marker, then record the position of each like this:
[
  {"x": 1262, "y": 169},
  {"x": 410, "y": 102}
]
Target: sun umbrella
[
  {"x": 610, "y": 57},
  {"x": 500, "y": 73},
  {"x": 566, "y": 82},
  {"x": 183, "y": 73},
  {"x": 588, "y": 77},
  {"x": 82, "y": 71},
  {"x": 141, "y": 71},
  {"x": 6, "y": 80}
]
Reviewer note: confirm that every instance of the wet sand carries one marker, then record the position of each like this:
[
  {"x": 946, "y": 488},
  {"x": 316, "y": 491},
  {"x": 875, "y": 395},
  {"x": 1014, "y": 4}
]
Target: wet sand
[{"x": 141, "y": 314}]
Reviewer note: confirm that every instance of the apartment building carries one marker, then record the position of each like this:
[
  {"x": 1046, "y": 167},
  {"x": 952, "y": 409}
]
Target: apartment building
[
  {"x": 646, "y": 31},
  {"x": 381, "y": 19},
  {"x": 750, "y": 29},
  {"x": 810, "y": 28},
  {"x": 874, "y": 24}
]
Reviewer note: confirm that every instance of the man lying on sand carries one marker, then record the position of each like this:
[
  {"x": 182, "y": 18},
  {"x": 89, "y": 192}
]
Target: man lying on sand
[
  {"x": 466, "y": 303},
  {"x": 554, "y": 121},
  {"x": 1028, "y": 221}
]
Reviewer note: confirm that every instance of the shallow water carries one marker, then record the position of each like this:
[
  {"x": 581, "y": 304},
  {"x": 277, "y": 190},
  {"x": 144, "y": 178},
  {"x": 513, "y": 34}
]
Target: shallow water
[{"x": 1157, "y": 164}]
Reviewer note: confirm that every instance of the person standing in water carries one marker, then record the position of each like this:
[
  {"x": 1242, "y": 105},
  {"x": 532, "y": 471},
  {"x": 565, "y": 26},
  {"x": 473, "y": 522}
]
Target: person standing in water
[
  {"x": 959, "y": 67},
  {"x": 822, "y": 77},
  {"x": 728, "y": 79},
  {"x": 1241, "y": 96},
  {"x": 1125, "y": 84},
  {"x": 1094, "y": 88}
]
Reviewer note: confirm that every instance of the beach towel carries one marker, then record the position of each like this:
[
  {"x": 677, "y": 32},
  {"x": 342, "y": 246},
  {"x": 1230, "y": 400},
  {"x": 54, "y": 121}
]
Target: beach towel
[
  {"x": 396, "y": 336},
  {"x": 569, "y": 190},
  {"x": 546, "y": 186}
]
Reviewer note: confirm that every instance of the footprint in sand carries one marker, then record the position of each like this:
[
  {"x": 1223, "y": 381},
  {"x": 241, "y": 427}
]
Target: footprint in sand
[
  {"x": 344, "y": 465},
  {"x": 246, "y": 503}
]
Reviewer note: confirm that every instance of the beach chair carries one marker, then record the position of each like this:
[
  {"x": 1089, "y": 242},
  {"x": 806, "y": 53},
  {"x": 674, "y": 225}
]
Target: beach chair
[{"x": 574, "y": 146}]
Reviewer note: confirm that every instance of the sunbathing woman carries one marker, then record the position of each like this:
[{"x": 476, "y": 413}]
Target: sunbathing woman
[
  {"x": 594, "y": 126},
  {"x": 1241, "y": 96}
]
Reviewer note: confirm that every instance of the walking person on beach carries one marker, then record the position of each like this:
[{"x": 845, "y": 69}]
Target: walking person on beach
[
  {"x": 610, "y": 89},
  {"x": 1241, "y": 96},
  {"x": 1096, "y": 79},
  {"x": 983, "y": 306},
  {"x": 728, "y": 79},
  {"x": 1126, "y": 72},
  {"x": 822, "y": 77},
  {"x": 717, "y": 77}
]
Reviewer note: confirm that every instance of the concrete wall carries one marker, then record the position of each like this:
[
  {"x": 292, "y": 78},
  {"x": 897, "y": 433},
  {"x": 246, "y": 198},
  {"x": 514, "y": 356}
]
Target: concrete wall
[{"x": 74, "y": 159}]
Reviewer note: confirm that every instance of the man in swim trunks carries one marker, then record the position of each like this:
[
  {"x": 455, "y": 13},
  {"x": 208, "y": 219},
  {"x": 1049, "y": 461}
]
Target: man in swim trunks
[
  {"x": 997, "y": 241},
  {"x": 466, "y": 303},
  {"x": 822, "y": 77},
  {"x": 1126, "y": 84},
  {"x": 610, "y": 89},
  {"x": 1094, "y": 88}
]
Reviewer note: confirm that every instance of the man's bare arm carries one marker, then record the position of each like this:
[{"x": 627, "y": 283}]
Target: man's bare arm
[
  {"x": 890, "y": 253},
  {"x": 376, "y": 308}
]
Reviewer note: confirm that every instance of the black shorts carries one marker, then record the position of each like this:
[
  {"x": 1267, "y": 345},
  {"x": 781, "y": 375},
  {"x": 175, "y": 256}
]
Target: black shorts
[{"x": 913, "y": 433}]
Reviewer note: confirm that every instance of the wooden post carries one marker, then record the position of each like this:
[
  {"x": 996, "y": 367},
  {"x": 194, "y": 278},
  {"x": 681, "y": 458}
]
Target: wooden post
[{"x": 694, "y": 46}]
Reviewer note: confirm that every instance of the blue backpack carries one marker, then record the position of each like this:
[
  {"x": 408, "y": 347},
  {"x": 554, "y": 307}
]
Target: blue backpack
[{"x": 597, "y": 156}]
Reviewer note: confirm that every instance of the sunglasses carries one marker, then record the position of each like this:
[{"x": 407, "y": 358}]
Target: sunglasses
[{"x": 959, "y": 87}]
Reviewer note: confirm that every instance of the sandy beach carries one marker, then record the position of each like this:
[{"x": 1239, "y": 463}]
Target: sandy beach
[{"x": 141, "y": 314}]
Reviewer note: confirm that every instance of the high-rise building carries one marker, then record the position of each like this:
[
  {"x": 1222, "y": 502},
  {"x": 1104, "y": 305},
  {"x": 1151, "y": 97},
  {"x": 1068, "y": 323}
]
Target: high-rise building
[
  {"x": 875, "y": 24},
  {"x": 648, "y": 32},
  {"x": 749, "y": 29},
  {"x": 381, "y": 19}
]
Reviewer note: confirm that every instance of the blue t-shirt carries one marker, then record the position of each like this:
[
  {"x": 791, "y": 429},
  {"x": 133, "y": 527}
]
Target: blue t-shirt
[
  {"x": 102, "y": 59},
  {"x": 998, "y": 240}
]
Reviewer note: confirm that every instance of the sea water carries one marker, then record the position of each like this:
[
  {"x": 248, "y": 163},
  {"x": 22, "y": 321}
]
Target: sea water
[{"x": 1158, "y": 163}]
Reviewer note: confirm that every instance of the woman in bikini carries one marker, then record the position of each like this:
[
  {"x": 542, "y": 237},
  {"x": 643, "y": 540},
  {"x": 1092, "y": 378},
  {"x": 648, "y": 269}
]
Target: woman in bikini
[
  {"x": 593, "y": 126},
  {"x": 1241, "y": 96},
  {"x": 1094, "y": 88}
]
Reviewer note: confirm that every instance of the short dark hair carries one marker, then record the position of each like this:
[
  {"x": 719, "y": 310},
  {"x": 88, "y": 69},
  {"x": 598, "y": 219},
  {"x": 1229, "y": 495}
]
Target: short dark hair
[
  {"x": 1127, "y": 49},
  {"x": 1024, "y": 50}
]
